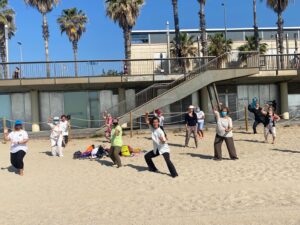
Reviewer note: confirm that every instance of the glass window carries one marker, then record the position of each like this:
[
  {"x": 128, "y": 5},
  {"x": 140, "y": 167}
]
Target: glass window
[
  {"x": 5, "y": 109},
  {"x": 139, "y": 38}
]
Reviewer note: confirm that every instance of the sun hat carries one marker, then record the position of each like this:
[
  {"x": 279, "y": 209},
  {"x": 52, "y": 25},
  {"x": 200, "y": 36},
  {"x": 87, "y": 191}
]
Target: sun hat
[
  {"x": 18, "y": 122},
  {"x": 191, "y": 107}
]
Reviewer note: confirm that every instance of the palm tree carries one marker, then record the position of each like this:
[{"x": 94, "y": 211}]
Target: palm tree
[
  {"x": 72, "y": 22},
  {"x": 278, "y": 7},
  {"x": 7, "y": 18},
  {"x": 44, "y": 7},
  {"x": 125, "y": 13},
  {"x": 177, "y": 29},
  {"x": 256, "y": 34},
  {"x": 203, "y": 27},
  {"x": 186, "y": 47},
  {"x": 250, "y": 45},
  {"x": 219, "y": 46}
]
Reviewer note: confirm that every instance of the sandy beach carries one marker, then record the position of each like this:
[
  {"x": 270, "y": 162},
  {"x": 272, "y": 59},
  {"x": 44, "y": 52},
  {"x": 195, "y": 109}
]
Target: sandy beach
[{"x": 262, "y": 187}]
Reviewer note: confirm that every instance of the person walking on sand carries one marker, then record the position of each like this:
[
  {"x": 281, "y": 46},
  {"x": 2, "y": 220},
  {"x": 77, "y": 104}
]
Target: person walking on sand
[
  {"x": 258, "y": 115},
  {"x": 108, "y": 124},
  {"x": 56, "y": 137},
  {"x": 224, "y": 133},
  {"x": 160, "y": 147},
  {"x": 191, "y": 121},
  {"x": 270, "y": 124},
  {"x": 116, "y": 143},
  {"x": 18, "y": 148},
  {"x": 65, "y": 125},
  {"x": 200, "y": 116}
]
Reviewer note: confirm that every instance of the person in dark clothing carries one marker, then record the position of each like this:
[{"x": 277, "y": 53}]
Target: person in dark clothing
[
  {"x": 191, "y": 121},
  {"x": 258, "y": 116}
]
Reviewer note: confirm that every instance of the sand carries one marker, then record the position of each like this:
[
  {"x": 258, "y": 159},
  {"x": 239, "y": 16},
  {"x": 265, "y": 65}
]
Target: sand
[{"x": 262, "y": 187}]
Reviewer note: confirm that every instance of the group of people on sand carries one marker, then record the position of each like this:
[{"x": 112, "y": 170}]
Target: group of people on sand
[
  {"x": 265, "y": 115},
  {"x": 194, "y": 124}
]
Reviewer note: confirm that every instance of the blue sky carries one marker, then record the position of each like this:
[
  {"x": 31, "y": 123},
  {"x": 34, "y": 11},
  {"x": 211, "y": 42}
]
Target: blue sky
[{"x": 104, "y": 40}]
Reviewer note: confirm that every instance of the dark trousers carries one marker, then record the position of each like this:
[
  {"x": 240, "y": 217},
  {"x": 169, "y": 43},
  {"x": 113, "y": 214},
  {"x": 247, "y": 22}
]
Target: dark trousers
[
  {"x": 16, "y": 159},
  {"x": 65, "y": 140},
  {"x": 188, "y": 133},
  {"x": 255, "y": 124},
  {"x": 114, "y": 154},
  {"x": 166, "y": 155},
  {"x": 230, "y": 146}
]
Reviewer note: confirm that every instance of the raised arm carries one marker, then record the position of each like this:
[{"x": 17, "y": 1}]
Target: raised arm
[{"x": 5, "y": 132}]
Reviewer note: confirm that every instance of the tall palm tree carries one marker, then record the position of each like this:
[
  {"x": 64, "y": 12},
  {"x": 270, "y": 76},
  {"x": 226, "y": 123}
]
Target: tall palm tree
[
  {"x": 7, "y": 18},
  {"x": 203, "y": 27},
  {"x": 186, "y": 47},
  {"x": 177, "y": 29},
  {"x": 278, "y": 7},
  {"x": 73, "y": 22},
  {"x": 125, "y": 13},
  {"x": 44, "y": 7},
  {"x": 256, "y": 34},
  {"x": 219, "y": 46}
]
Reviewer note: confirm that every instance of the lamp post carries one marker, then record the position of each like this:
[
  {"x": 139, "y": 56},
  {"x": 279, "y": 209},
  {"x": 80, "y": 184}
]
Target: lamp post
[
  {"x": 168, "y": 46},
  {"x": 6, "y": 48},
  {"x": 21, "y": 51},
  {"x": 225, "y": 23}
]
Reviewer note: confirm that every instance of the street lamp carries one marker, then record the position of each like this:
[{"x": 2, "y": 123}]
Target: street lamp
[
  {"x": 225, "y": 23},
  {"x": 21, "y": 51}
]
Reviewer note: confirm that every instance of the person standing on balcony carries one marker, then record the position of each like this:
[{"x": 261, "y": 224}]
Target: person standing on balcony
[
  {"x": 116, "y": 143},
  {"x": 18, "y": 147},
  {"x": 65, "y": 125},
  {"x": 224, "y": 133},
  {"x": 108, "y": 124},
  {"x": 17, "y": 73},
  {"x": 160, "y": 147},
  {"x": 258, "y": 115},
  {"x": 191, "y": 121},
  {"x": 56, "y": 136},
  {"x": 200, "y": 116}
]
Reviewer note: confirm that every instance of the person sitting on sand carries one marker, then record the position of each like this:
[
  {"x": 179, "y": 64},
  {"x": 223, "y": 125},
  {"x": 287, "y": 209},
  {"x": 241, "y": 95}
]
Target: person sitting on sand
[
  {"x": 108, "y": 124},
  {"x": 56, "y": 137},
  {"x": 18, "y": 148},
  {"x": 270, "y": 124},
  {"x": 224, "y": 133},
  {"x": 116, "y": 143},
  {"x": 160, "y": 147}
]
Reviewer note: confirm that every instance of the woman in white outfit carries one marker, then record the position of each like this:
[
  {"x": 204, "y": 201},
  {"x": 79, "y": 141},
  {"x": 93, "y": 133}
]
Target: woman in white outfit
[
  {"x": 65, "y": 125},
  {"x": 56, "y": 137}
]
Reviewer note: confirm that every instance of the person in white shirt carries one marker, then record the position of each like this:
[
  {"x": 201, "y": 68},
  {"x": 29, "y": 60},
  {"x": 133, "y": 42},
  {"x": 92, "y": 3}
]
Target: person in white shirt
[
  {"x": 160, "y": 147},
  {"x": 18, "y": 147},
  {"x": 200, "y": 116},
  {"x": 65, "y": 125},
  {"x": 224, "y": 133},
  {"x": 56, "y": 137}
]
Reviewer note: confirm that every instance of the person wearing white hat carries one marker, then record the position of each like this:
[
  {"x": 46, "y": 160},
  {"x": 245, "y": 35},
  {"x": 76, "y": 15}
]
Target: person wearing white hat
[
  {"x": 201, "y": 116},
  {"x": 56, "y": 136},
  {"x": 191, "y": 121}
]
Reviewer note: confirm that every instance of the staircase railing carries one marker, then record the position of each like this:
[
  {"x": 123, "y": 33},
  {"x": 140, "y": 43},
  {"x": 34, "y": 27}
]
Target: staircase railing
[{"x": 229, "y": 60}]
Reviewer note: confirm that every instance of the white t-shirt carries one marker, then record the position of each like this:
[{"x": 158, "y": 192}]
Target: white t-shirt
[
  {"x": 56, "y": 131},
  {"x": 200, "y": 116},
  {"x": 64, "y": 127},
  {"x": 18, "y": 136},
  {"x": 222, "y": 125},
  {"x": 161, "y": 121},
  {"x": 157, "y": 144}
]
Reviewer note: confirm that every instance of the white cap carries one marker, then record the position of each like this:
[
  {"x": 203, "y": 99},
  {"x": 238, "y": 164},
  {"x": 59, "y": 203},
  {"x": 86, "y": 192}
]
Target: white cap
[{"x": 191, "y": 107}]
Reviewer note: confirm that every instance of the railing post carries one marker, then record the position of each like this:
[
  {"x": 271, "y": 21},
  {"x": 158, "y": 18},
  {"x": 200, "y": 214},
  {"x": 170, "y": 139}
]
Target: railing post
[
  {"x": 4, "y": 127},
  {"x": 131, "y": 125},
  {"x": 246, "y": 118}
]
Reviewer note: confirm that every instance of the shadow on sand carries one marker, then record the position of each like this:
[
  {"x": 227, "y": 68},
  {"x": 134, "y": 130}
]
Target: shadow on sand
[
  {"x": 285, "y": 150},
  {"x": 248, "y": 140},
  {"x": 198, "y": 155},
  {"x": 48, "y": 153},
  {"x": 144, "y": 168},
  {"x": 10, "y": 169}
]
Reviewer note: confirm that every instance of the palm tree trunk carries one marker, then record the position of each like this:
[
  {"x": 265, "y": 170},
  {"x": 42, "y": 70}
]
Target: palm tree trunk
[
  {"x": 256, "y": 34},
  {"x": 280, "y": 37},
  {"x": 46, "y": 40},
  {"x": 75, "y": 48},
  {"x": 203, "y": 29},
  {"x": 127, "y": 44},
  {"x": 177, "y": 30},
  {"x": 3, "y": 59}
]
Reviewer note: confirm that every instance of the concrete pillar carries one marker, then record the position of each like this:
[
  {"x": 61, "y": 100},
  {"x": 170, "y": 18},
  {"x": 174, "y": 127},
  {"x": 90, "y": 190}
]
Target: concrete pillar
[
  {"x": 34, "y": 95},
  {"x": 130, "y": 99},
  {"x": 105, "y": 98},
  {"x": 195, "y": 99},
  {"x": 122, "y": 97},
  {"x": 284, "y": 100}
]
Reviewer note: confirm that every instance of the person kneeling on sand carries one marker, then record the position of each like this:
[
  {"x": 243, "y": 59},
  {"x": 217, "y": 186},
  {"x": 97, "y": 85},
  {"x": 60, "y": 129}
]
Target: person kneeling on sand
[
  {"x": 56, "y": 137},
  {"x": 160, "y": 147},
  {"x": 116, "y": 143},
  {"x": 18, "y": 147},
  {"x": 224, "y": 133}
]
